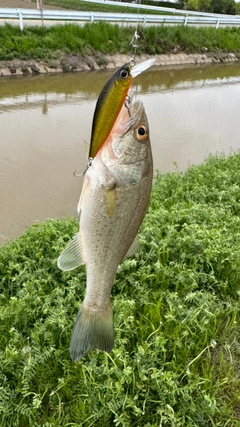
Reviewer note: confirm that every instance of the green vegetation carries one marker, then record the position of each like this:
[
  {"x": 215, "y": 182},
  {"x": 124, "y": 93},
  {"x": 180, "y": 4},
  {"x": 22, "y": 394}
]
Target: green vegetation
[
  {"x": 176, "y": 359},
  {"x": 215, "y": 6},
  {"x": 81, "y": 5},
  {"x": 42, "y": 43}
]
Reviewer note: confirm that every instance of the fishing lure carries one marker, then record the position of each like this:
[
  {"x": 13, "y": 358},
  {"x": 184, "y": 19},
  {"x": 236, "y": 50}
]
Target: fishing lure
[{"x": 110, "y": 102}]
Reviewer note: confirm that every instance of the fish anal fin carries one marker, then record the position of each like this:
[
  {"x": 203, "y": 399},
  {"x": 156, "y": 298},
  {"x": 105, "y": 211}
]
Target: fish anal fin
[
  {"x": 72, "y": 256},
  {"x": 92, "y": 330},
  {"x": 110, "y": 200},
  {"x": 134, "y": 248}
]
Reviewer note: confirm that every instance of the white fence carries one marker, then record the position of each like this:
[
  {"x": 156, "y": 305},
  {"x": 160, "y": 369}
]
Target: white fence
[{"x": 9, "y": 14}]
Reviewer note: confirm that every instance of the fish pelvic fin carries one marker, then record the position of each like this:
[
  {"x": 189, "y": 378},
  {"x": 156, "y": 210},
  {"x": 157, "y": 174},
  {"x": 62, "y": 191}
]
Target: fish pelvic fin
[
  {"x": 92, "y": 329},
  {"x": 72, "y": 256}
]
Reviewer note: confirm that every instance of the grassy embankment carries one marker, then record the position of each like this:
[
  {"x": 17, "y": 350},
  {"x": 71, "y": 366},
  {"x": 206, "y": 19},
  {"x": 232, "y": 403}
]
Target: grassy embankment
[
  {"x": 92, "y": 38},
  {"x": 79, "y": 5},
  {"x": 176, "y": 359}
]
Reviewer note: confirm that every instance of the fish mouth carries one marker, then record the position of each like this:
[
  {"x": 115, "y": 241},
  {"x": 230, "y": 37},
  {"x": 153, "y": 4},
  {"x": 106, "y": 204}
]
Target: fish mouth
[
  {"x": 134, "y": 111},
  {"x": 130, "y": 114}
]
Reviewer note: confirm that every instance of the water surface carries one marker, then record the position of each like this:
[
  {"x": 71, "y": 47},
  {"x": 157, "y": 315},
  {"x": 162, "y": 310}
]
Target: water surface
[{"x": 45, "y": 120}]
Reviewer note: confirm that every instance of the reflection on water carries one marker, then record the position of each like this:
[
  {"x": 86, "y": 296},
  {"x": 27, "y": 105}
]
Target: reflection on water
[{"x": 45, "y": 120}]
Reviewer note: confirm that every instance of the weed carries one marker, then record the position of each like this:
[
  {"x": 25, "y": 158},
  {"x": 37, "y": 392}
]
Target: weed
[{"x": 43, "y": 42}]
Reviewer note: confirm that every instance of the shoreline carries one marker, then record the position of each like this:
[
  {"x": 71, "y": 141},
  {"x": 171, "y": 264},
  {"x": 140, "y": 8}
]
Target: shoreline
[{"x": 71, "y": 63}]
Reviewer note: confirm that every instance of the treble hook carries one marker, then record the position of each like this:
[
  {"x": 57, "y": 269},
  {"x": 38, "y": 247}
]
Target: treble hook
[
  {"x": 127, "y": 104},
  {"x": 90, "y": 160},
  {"x": 78, "y": 174}
]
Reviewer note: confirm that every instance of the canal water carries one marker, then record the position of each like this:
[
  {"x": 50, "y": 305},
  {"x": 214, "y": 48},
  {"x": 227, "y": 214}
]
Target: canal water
[{"x": 45, "y": 119}]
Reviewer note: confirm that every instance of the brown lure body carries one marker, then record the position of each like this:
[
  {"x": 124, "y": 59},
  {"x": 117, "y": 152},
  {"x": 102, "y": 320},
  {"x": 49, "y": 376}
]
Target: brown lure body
[{"x": 109, "y": 104}]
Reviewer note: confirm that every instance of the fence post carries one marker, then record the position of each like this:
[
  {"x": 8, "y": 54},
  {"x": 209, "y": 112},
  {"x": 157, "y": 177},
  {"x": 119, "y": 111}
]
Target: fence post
[
  {"x": 185, "y": 22},
  {"x": 19, "y": 12},
  {"x": 40, "y": 7},
  {"x": 217, "y": 23}
]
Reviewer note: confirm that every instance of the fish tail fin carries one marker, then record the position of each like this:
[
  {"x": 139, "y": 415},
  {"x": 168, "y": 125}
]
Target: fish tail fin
[{"x": 92, "y": 329}]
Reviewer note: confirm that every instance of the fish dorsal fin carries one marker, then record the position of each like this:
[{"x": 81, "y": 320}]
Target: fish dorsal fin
[
  {"x": 134, "y": 248},
  {"x": 71, "y": 257}
]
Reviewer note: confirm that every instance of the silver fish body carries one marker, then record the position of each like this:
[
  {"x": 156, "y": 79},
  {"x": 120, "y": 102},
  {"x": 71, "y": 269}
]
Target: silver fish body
[{"x": 114, "y": 199}]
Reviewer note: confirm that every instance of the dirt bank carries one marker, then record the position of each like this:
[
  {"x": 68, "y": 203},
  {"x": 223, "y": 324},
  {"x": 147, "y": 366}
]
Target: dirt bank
[{"x": 69, "y": 63}]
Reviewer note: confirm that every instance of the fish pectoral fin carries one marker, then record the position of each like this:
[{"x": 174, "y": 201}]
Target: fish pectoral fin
[
  {"x": 71, "y": 257},
  {"x": 134, "y": 248},
  {"x": 110, "y": 200}
]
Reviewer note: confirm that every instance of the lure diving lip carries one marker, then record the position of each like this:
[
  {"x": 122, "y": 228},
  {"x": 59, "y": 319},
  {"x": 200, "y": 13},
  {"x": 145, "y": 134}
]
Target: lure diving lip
[
  {"x": 139, "y": 68},
  {"x": 111, "y": 100}
]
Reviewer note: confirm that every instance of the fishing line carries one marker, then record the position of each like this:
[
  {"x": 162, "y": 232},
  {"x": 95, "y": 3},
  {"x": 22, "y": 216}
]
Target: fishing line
[
  {"x": 136, "y": 36},
  {"x": 134, "y": 41},
  {"x": 133, "y": 44}
]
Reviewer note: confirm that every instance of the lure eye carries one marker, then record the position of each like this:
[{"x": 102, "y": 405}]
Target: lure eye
[
  {"x": 142, "y": 133},
  {"x": 124, "y": 74}
]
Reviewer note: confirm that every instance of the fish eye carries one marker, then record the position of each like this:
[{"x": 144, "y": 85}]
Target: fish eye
[
  {"x": 124, "y": 74},
  {"x": 142, "y": 133}
]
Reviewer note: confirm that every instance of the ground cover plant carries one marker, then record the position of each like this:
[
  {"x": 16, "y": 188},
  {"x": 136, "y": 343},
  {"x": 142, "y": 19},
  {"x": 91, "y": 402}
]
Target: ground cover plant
[
  {"x": 176, "y": 359},
  {"x": 44, "y": 43},
  {"x": 80, "y": 5}
]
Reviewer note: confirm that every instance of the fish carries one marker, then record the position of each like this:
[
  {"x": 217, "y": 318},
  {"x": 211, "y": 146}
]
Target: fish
[
  {"x": 110, "y": 101},
  {"x": 113, "y": 202}
]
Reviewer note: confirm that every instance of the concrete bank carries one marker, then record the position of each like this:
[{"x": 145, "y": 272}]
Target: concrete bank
[{"x": 68, "y": 63}]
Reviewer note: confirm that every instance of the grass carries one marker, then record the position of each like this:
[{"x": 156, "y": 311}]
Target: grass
[
  {"x": 93, "y": 38},
  {"x": 84, "y": 6},
  {"x": 176, "y": 359}
]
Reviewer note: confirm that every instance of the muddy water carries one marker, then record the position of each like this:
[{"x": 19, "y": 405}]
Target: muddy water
[{"x": 44, "y": 121}]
